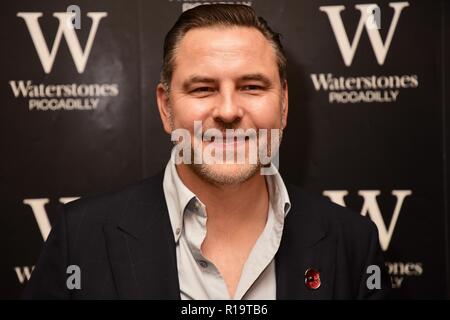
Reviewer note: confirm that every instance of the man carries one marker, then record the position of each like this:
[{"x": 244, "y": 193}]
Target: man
[{"x": 210, "y": 229}]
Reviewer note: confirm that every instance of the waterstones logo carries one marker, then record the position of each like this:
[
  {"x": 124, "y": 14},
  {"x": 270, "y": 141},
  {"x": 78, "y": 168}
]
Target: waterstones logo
[
  {"x": 52, "y": 97},
  {"x": 370, "y": 88},
  {"x": 363, "y": 89},
  {"x": 66, "y": 96},
  {"x": 399, "y": 271}
]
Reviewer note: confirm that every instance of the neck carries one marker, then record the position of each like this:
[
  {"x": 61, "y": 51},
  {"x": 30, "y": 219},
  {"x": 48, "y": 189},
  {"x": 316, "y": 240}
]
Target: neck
[{"x": 229, "y": 205}]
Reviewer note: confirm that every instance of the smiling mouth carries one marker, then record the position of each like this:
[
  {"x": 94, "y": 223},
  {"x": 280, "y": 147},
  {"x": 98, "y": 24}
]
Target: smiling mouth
[{"x": 229, "y": 143}]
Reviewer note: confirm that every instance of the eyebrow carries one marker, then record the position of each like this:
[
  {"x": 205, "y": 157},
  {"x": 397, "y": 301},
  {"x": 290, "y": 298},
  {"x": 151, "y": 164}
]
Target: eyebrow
[
  {"x": 256, "y": 77},
  {"x": 196, "y": 79},
  {"x": 247, "y": 77}
]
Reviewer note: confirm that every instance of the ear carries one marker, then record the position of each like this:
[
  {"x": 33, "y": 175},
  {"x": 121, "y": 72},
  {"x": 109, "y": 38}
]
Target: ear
[
  {"x": 162, "y": 98},
  {"x": 284, "y": 104}
]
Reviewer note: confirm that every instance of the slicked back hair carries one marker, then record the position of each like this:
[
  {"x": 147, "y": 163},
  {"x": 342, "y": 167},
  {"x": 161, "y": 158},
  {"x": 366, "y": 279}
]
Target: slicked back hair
[{"x": 217, "y": 15}]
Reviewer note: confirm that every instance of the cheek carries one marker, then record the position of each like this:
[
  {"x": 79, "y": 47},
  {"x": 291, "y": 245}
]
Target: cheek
[
  {"x": 186, "y": 111},
  {"x": 265, "y": 113}
]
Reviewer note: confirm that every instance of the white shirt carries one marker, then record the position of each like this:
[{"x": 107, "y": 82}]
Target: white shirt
[{"x": 199, "y": 278}]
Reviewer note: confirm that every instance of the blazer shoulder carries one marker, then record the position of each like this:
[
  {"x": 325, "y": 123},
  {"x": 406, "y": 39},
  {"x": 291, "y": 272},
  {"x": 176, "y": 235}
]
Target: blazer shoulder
[
  {"x": 327, "y": 212},
  {"x": 108, "y": 206}
]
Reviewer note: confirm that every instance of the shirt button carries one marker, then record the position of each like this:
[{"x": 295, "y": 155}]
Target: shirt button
[
  {"x": 203, "y": 264},
  {"x": 177, "y": 231}
]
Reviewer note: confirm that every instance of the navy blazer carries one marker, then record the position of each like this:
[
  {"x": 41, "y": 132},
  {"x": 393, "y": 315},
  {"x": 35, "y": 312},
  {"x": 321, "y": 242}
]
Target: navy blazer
[{"x": 124, "y": 245}]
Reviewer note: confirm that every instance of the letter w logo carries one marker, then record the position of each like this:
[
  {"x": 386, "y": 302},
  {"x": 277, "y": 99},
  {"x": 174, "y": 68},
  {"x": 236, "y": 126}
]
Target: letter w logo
[
  {"x": 348, "y": 50},
  {"x": 372, "y": 209},
  {"x": 38, "y": 207},
  {"x": 65, "y": 28}
]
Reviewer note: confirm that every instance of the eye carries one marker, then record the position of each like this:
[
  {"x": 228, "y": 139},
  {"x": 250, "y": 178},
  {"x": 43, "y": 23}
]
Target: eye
[
  {"x": 252, "y": 87},
  {"x": 203, "y": 90}
]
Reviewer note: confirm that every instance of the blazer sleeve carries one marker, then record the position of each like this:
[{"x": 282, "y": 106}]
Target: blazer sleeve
[
  {"x": 48, "y": 279},
  {"x": 375, "y": 259}
]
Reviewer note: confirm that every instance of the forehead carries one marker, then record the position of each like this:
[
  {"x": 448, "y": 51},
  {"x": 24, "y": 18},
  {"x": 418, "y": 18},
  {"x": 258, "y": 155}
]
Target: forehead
[{"x": 225, "y": 50}]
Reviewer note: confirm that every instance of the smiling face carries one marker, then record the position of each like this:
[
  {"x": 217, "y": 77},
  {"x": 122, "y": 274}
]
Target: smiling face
[{"x": 228, "y": 78}]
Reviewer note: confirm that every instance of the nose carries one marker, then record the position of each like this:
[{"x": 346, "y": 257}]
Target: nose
[{"x": 227, "y": 109}]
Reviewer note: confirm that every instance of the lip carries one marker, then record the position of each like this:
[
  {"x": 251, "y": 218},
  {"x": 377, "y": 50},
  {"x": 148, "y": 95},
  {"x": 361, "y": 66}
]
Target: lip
[{"x": 237, "y": 142}]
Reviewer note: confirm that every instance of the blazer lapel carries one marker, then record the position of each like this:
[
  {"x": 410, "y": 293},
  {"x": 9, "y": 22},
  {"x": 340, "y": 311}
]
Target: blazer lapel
[
  {"x": 141, "y": 246},
  {"x": 306, "y": 243}
]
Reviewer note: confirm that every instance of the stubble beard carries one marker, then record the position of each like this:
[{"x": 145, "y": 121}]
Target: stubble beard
[{"x": 228, "y": 174}]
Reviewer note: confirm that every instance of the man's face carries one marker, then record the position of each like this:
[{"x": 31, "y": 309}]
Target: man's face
[{"x": 226, "y": 77}]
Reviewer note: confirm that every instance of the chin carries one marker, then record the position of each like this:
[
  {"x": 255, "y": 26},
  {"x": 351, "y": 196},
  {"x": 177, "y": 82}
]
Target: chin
[{"x": 226, "y": 174}]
